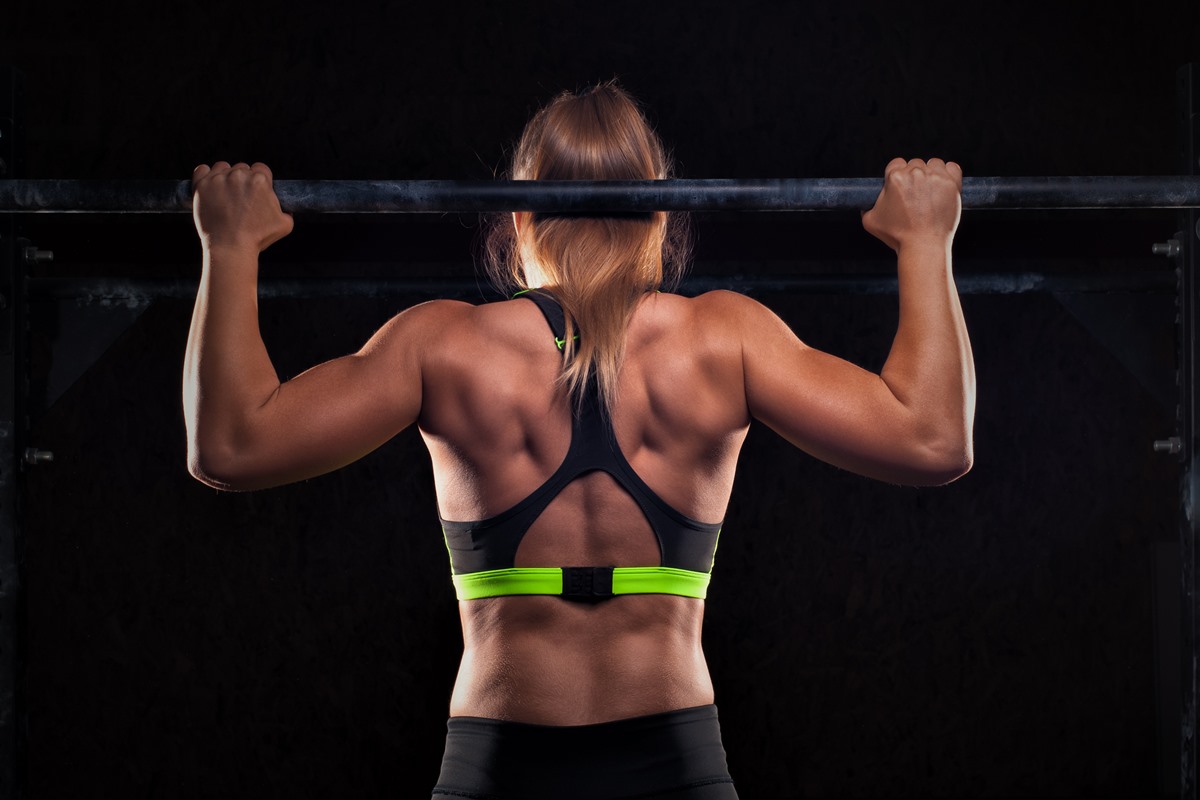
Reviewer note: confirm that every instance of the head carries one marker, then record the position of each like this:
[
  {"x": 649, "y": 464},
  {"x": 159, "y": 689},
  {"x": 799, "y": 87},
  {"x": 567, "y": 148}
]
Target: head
[{"x": 597, "y": 266}]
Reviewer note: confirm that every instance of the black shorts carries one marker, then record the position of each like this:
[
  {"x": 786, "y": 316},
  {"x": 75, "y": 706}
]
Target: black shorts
[{"x": 676, "y": 755}]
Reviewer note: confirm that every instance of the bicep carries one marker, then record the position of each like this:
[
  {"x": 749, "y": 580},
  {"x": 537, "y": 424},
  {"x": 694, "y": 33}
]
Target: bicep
[
  {"x": 828, "y": 407},
  {"x": 338, "y": 411}
]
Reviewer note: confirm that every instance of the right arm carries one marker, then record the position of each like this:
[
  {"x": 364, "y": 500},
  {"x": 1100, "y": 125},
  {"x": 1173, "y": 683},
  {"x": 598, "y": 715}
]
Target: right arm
[
  {"x": 912, "y": 423},
  {"x": 247, "y": 429}
]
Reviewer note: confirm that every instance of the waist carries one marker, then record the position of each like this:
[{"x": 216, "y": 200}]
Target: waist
[{"x": 543, "y": 660}]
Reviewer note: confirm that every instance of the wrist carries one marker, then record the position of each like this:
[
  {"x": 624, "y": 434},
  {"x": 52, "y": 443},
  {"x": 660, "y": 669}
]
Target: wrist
[
  {"x": 231, "y": 246},
  {"x": 932, "y": 243},
  {"x": 231, "y": 260}
]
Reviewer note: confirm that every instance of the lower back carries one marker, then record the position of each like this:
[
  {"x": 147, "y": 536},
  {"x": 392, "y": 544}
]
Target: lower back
[{"x": 547, "y": 661}]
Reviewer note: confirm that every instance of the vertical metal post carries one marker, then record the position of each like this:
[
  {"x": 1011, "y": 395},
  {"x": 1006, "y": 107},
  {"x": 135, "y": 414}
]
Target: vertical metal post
[
  {"x": 12, "y": 365},
  {"x": 1189, "y": 424}
]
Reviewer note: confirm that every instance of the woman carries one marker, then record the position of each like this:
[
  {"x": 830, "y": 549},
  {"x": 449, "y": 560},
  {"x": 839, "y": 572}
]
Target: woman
[{"x": 584, "y": 437}]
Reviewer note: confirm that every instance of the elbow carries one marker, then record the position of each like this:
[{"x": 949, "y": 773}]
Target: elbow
[
  {"x": 949, "y": 471},
  {"x": 221, "y": 456},
  {"x": 213, "y": 468},
  {"x": 944, "y": 463}
]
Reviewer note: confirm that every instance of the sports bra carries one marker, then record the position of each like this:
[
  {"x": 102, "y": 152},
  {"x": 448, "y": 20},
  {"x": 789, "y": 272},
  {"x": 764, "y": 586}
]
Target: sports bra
[{"x": 482, "y": 553}]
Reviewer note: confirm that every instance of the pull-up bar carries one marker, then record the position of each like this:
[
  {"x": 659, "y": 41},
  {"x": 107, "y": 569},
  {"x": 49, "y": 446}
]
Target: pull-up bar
[{"x": 416, "y": 197}]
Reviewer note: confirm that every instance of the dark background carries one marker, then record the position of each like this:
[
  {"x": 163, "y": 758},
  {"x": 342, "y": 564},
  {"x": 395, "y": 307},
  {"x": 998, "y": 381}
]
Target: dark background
[{"x": 1007, "y": 636}]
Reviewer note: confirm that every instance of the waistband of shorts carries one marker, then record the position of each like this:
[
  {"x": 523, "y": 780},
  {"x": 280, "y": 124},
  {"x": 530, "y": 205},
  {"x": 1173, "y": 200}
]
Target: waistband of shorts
[
  {"x": 649, "y": 722},
  {"x": 637, "y": 757}
]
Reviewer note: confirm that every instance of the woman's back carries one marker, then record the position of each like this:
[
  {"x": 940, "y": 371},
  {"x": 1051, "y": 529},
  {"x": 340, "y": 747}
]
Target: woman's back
[
  {"x": 581, "y": 550},
  {"x": 498, "y": 427}
]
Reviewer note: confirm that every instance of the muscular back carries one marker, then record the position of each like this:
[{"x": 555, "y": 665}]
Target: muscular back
[{"x": 497, "y": 428}]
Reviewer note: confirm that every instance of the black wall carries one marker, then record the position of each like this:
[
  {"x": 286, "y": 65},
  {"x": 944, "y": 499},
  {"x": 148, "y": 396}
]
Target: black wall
[{"x": 995, "y": 638}]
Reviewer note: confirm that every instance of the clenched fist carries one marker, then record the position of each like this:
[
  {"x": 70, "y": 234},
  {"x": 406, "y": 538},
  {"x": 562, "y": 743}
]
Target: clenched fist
[
  {"x": 237, "y": 207},
  {"x": 919, "y": 201}
]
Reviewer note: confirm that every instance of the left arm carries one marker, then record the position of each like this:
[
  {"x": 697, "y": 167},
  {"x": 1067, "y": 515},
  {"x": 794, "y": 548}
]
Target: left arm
[{"x": 246, "y": 430}]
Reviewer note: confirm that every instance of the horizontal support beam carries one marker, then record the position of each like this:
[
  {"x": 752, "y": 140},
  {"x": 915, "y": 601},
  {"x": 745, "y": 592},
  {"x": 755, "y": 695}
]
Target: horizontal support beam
[
  {"x": 127, "y": 293},
  {"x": 427, "y": 197}
]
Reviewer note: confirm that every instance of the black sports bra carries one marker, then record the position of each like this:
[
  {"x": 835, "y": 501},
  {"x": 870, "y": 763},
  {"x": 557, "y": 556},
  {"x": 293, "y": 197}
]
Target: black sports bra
[{"x": 482, "y": 553}]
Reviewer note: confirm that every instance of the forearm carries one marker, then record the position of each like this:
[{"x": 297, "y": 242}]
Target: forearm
[
  {"x": 228, "y": 374},
  {"x": 930, "y": 368}
]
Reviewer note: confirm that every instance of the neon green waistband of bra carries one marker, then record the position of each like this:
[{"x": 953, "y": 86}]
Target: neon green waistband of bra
[{"x": 581, "y": 582}]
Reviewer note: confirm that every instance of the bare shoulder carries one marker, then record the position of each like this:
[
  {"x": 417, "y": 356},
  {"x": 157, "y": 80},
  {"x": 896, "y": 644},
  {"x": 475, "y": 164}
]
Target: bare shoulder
[
  {"x": 734, "y": 316},
  {"x": 432, "y": 313},
  {"x": 441, "y": 333},
  {"x": 732, "y": 305},
  {"x": 436, "y": 312},
  {"x": 421, "y": 326},
  {"x": 710, "y": 304},
  {"x": 722, "y": 302}
]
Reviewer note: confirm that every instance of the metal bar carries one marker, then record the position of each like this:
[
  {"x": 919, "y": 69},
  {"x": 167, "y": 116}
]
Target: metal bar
[
  {"x": 422, "y": 197},
  {"x": 127, "y": 293}
]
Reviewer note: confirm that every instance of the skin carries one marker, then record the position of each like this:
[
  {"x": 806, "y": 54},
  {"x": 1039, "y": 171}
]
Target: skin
[{"x": 477, "y": 381}]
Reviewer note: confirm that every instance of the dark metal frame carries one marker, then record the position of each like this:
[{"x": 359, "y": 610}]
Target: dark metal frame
[
  {"x": 1188, "y": 254},
  {"x": 172, "y": 196},
  {"x": 12, "y": 389},
  {"x": 417, "y": 197}
]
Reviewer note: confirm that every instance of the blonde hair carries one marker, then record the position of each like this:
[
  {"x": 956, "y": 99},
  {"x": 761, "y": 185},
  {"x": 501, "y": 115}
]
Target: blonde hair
[{"x": 596, "y": 266}]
